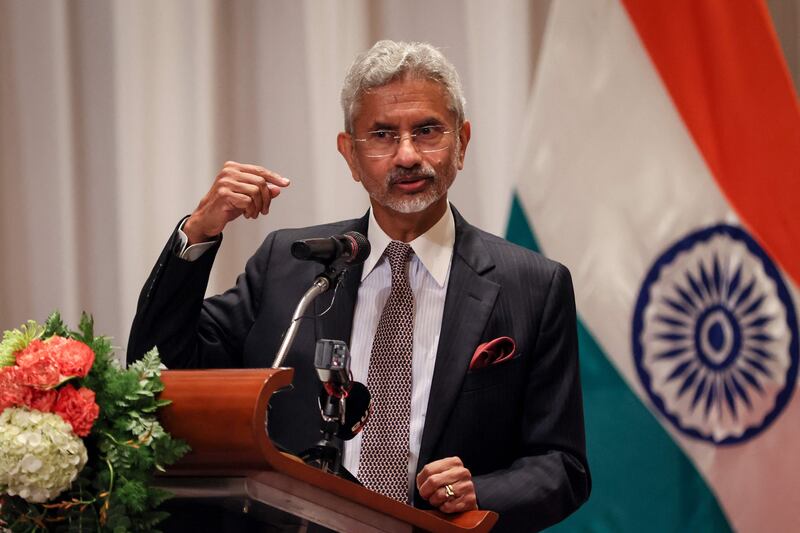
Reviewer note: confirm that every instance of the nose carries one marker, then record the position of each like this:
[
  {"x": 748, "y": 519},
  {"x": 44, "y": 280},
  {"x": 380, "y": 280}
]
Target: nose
[{"x": 407, "y": 154}]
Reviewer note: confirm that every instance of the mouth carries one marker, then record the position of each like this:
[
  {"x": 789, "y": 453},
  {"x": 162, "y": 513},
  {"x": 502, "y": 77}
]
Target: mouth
[{"x": 411, "y": 184}]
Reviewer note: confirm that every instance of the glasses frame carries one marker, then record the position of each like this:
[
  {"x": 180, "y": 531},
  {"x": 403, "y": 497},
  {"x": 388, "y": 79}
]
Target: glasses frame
[{"x": 398, "y": 138}]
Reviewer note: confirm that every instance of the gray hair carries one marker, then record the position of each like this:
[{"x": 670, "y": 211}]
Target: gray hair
[{"x": 388, "y": 61}]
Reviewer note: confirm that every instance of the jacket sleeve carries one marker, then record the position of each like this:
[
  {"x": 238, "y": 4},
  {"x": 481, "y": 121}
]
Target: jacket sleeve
[
  {"x": 550, "y": 479},
  {"x": 188, "y": 331}
]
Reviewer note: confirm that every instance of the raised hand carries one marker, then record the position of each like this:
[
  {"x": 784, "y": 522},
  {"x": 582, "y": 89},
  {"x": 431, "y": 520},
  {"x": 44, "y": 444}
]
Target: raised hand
[{"x": 239, "y": 189}]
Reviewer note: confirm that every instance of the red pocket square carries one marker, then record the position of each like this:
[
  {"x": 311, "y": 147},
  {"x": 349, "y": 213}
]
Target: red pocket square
[{"x": 493, "y": 352}]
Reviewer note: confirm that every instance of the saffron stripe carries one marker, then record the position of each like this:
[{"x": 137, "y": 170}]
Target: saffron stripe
[{"x": 723, "y": 68}]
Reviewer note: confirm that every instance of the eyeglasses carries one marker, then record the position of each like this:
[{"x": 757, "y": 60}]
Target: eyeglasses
[{"x": 384, "y": 143}]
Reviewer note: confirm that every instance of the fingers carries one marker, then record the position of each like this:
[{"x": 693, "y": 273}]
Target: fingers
[
  {"x": 234, "y": 183},
  {"x": 259, "y": 183},
  {"x": 464, "y": 499},
  {"x": 269, "y": 182},
  {"x": 435, "y": 486},
  {"x": 239, "y": 202},
  {"x": 432, "y": 476},
  {"x": 268, "y": 175},
  {"x": 435, "y": 478}
]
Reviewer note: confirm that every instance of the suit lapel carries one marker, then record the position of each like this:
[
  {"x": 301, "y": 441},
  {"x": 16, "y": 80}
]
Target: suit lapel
[
  {"x": 470, "y": 300},
  {"x": 337, "y": 322}
]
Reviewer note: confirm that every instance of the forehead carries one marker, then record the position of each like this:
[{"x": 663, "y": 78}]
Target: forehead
[{"x": 402, "y": 103}]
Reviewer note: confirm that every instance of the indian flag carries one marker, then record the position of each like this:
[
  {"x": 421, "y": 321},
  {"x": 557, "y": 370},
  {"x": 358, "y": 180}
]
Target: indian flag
[{"x": 661, "y": 163}]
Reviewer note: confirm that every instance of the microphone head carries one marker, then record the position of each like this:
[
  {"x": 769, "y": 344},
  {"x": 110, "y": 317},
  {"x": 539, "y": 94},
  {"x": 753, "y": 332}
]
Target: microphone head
[
  {"x": 332, "y": 361},
  {"x": 322, "y": 250},
  {"x": 358, "y": 407},
  {"x": 360, "y": 247},
  {"x": 344, "y": 251}
]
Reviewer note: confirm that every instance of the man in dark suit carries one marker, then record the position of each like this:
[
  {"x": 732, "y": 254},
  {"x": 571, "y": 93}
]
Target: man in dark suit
[{"x": 505, "y": 436}]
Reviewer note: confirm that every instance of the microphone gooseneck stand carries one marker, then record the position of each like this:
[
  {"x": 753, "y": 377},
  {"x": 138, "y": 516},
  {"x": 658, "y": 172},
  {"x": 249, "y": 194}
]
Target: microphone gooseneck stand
[{"x": 320, "y": 285}]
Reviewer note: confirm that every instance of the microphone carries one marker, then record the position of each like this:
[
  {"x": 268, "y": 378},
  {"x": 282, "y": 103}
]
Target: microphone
[
  {"x": 337, "y": 253},
  {"x": 351, "y": 248},
  {"x": 341, "y": 400},
  {"x": 357, "y": 408},
  {"x": 332, "y": 362},
  {"x": 344, "y": 404}
]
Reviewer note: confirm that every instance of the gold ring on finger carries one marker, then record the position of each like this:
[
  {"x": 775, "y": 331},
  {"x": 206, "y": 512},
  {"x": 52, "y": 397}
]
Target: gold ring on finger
[{"x": 449, "y": 492}]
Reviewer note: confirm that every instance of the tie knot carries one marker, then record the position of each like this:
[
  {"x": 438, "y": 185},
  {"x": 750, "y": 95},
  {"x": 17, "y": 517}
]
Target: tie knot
[{"x": 398, "y": 253}]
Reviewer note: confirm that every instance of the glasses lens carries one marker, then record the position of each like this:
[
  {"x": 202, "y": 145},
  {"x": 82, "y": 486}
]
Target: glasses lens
[
  {"x": 380, "y": 143},
  {"x": 384, "y": 143},
  {"x": 428, "y": 137}
]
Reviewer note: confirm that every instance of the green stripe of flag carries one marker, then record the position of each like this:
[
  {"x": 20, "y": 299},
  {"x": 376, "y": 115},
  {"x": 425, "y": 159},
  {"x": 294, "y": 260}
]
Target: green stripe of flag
[{"x": 641, "y": 479}]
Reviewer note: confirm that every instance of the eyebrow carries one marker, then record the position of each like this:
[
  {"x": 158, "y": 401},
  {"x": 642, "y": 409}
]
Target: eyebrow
[{"x": 428, "y": 121}]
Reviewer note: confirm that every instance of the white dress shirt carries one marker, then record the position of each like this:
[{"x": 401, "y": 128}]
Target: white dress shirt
[{"x": 428, "y": 274}]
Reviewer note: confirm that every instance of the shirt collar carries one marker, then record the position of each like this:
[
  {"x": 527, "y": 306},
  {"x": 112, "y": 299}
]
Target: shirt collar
[{"x": 434, "y": 248}]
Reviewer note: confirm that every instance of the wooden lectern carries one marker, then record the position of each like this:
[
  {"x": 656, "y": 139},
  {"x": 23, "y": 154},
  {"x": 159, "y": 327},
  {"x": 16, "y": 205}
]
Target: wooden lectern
[{"x": 222, "y": 415}]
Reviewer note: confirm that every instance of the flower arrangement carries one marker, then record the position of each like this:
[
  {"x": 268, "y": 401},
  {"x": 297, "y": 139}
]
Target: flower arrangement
[{"x": 79, "y": 437}]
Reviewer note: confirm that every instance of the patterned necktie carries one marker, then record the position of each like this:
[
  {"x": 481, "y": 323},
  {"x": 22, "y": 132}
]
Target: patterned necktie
[{"x": 384, "y": 450}]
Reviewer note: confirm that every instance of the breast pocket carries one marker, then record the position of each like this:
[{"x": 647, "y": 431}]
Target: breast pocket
[
  {"x": 483, "y": 428},
  {"x": 505, "y": 374}
]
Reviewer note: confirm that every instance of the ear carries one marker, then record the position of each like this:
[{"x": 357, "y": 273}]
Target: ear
[
  {"x": 464, "y": 135},
  {"x": 344, "y": 142}
]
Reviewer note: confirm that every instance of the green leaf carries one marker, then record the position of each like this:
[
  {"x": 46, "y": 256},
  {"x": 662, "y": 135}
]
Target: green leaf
[
  {"x": 157, "y": 496},
  {"x": 55, "y": 326},
  {"x": 133, "y": 495},
  {"x": 86, "y": 327}
]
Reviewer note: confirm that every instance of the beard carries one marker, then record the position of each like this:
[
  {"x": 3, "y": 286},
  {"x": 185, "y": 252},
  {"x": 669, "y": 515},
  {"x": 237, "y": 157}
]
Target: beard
[
  {"x": 411, "y": 203},
  {"x": 415, "y": 203}
]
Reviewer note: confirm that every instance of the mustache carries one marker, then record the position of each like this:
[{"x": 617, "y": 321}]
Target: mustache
[{"x": 399, "y": 174}]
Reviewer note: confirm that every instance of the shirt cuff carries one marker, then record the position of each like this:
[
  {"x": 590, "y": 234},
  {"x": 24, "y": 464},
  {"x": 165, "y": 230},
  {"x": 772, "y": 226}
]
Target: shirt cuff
[{"x": 193, "y": 252}]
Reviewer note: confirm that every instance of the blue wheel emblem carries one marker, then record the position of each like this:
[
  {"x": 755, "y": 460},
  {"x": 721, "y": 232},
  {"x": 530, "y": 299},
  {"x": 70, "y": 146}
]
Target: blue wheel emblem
[{"x": 715, "y": 337}]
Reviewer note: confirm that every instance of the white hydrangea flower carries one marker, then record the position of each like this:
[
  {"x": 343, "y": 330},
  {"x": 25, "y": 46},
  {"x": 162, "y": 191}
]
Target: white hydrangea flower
[{"x": 39, "y": 454}]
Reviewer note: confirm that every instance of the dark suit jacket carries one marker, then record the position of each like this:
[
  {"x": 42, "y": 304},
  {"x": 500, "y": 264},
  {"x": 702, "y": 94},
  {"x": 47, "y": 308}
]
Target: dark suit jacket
[{"x": 517, "y": 425}]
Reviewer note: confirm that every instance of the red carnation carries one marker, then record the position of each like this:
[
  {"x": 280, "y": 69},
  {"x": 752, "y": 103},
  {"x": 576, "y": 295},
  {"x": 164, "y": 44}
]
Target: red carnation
[
  {"x": 42, "y": 400},
  {"x": 77, "y": 406},
  {"x": 74, "y": 358},
  {"x": 31, "y": 353},
  {"x": 37, "y": 368},
  {"x": 12, "y": 392}
]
